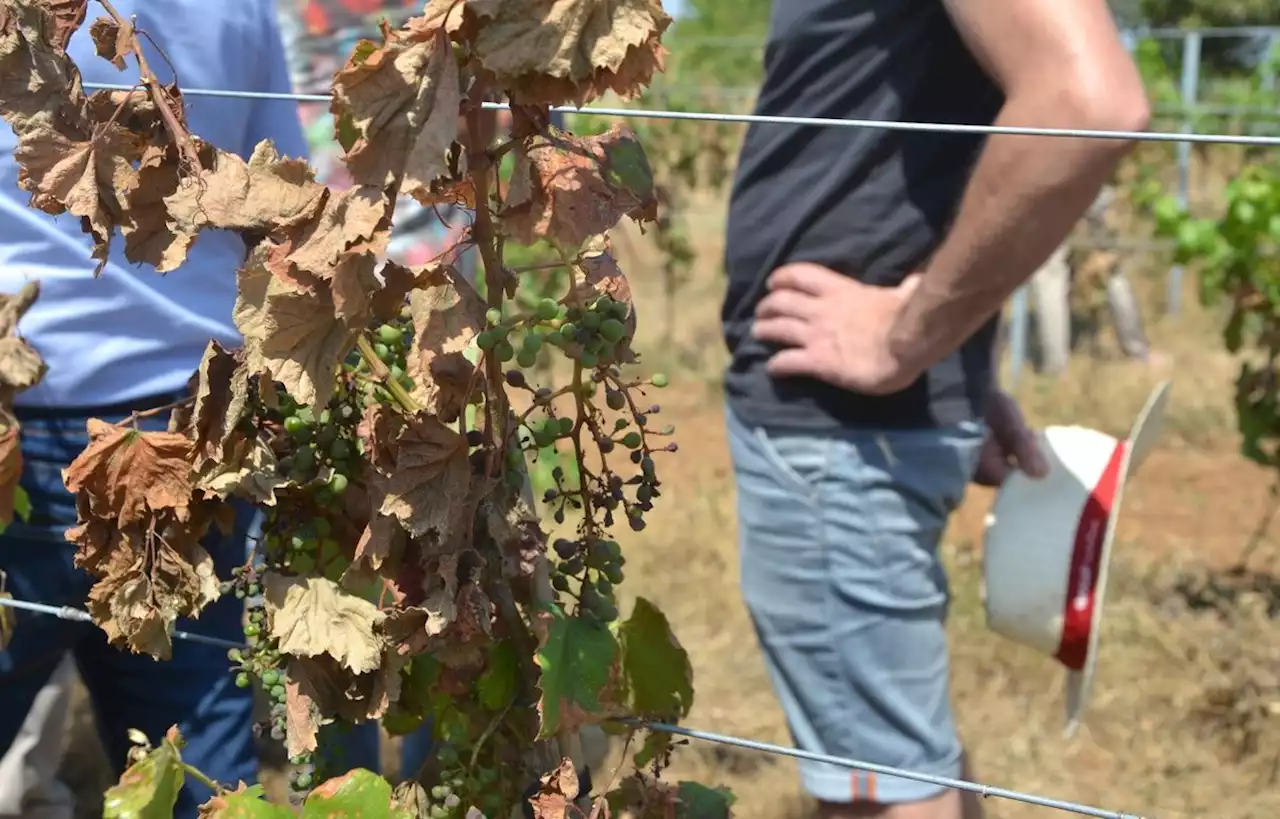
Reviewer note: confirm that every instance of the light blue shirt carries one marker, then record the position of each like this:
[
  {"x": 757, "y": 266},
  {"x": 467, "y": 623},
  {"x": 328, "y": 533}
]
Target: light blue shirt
[{"x": 134, "y": 333}]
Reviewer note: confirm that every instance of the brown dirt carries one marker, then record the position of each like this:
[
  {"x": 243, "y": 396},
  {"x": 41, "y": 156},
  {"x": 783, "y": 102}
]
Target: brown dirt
[{"x": 1184, "y": 717}]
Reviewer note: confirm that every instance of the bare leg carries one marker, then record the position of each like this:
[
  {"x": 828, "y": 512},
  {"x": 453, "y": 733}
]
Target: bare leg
[{"x": 949, "y": 804}]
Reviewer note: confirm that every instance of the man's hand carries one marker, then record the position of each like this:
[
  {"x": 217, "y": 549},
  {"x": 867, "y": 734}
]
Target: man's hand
[
  {"x": 833, "y": 328},
  {"x": 1010, "y": 444}
]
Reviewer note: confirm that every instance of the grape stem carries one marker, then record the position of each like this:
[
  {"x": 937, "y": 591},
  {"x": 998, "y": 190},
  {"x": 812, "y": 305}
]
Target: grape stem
[
  {"x": 383, "y": 374},
  {"x": 202, "y": 778}
]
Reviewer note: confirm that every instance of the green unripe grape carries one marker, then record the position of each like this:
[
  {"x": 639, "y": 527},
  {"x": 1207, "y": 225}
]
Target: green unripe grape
[
  {"x": 397, "y": 372},
  {"x": 612, "y": 550},
  {"x": 277, "y": 692},
  {"x": 440, "y": 792},
  {"x": 242, "y": 680},
  {"x": 251, "y": 630},
  {"x": 305, "y": 458},
  {"x": 614, "y": 572},
  {"x": 235, "y": 656},
  {"x": 591, "y": 321},
  {"x": 588, "y": 359},
  {"x": 566, "y": 425},
  {"x": 270, "y": 677},
  {"x": 293, "y": 425},
  {"x": 606, "y": 611},
  {"x": 493, "y": 316},
  {"x": 390, "y": 334},
  {"x": 526, "y": 358},
  {"x": 486, "y": 340},
  {"x": 303, "y": 781},
  {"x": 383, "y": 351},
  {"x": 590, "y": 597},
  {"x": 504, "y": 351},
  {"x": 659, "y": 380},
  {"x": 567, "y": 330},
  {"x": 340, "y": 450},
  {"x": 560, "y": 583},
  {"x": 438, "y": 812},
  {"x": 612, "y": 330},
  {"x": 632, "y": 440},
  {"x": 615, "y": 399},
  {"x": 338, "y": 483},
  {"x": 573, "y": 565},
  {"x": 546, "y": 310},
  {"x": 532, "y": 342},
  {"x": 326, "y": 436}
]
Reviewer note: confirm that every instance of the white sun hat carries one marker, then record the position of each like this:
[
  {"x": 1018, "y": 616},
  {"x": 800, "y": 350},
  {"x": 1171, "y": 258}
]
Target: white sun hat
[{"x": 1047, "y": 544}]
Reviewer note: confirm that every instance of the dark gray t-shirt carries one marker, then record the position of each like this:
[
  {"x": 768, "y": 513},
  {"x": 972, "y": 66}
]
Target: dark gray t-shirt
[{"x": 871, "y": 203}]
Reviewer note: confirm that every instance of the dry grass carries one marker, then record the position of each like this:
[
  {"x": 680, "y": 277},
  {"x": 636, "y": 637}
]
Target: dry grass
[{"x": 1183, "y": 723}]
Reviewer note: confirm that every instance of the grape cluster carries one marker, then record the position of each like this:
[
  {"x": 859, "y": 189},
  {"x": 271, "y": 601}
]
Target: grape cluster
[
  {"x": 324, "y": 440},
  {"x": 596, "y": 564},
  {"x": 592, "y": 335},
  {"x": 459, "y": 788},
  {"x": 392, "y": 342}
]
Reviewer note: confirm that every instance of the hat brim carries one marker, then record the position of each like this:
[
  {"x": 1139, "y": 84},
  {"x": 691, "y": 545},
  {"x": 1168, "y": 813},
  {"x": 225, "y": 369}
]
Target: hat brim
[{"x": 1140, "y": 442}]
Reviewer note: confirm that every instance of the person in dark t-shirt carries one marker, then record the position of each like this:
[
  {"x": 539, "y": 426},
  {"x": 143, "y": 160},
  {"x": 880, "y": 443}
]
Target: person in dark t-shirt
[{"x": 867, "y": 268}]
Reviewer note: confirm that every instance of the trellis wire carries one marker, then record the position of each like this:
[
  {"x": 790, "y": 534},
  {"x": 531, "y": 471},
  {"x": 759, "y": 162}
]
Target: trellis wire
[
  {"x": 765, "y": 119},
  {"x": 70, "y": 613}
]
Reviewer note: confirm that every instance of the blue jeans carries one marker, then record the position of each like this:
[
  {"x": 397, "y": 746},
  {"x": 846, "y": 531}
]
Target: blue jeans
[
  {"x": 840, "y": 572},
  {"x": 194, "y": 690}
]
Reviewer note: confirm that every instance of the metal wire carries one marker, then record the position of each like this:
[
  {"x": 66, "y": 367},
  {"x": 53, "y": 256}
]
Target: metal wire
[
  {"x": 705, "y": 116},
  {"x": 80, "y": 616},
  {"x": 69, "y": 613}
]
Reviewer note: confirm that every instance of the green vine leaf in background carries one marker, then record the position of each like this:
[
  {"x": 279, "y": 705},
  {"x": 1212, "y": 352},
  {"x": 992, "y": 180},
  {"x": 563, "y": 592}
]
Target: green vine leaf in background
[
  {"x": 149, "y": 788},
  {"x": 246, "y": 802}
]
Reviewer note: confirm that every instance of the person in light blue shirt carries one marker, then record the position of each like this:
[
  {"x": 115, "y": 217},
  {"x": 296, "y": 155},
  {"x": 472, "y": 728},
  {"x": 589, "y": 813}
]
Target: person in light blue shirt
[{"x": 126, "y": 342}]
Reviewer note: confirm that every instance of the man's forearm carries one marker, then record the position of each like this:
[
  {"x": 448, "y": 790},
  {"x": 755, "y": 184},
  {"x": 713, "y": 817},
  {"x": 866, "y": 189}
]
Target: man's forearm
[{"x": 1025, "y": 195}]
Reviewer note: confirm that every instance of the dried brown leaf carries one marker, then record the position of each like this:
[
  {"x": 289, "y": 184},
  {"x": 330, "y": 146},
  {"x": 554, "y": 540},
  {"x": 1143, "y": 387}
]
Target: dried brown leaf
[
  {"x": 396, "y": 108},
  {"x": 556, "y": 793},
  {"x": 21, "y": 367},
  {"x": 248, "y": 470},
  {"x": 313, "y": 616},
  {"x": 446, "y": 319},
  {"x": 10, "y": 471},
  {"x": 560, "y": 51},
  {"x": 129, "y": 476},
  {"x": 290, "y": 333},
  {"x": 264, "y": 194},
  {"x": 222, "y": 401},
  {"x": 112, "y": 41},
  {"x": 568, "y": 188},
  {"x": 428, "y": 489}
]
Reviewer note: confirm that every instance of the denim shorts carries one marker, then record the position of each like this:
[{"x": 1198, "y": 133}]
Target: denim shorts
[{"x": 838, "y": 539}]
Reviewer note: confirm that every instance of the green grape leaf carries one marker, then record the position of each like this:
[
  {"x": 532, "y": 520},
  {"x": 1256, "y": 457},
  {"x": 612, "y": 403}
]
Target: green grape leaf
[
  {"x": 697, "y": 801},
  {"x": 21, "y": 504},
  {"x": 357, "y": 793},
  {"x": 497, "y": 685},
  {"x": 577, "y": 659},
  {"x": 149, "y": 788},
  {"x": 657, "y": 669},
  {"x": 247, "y": 802}
]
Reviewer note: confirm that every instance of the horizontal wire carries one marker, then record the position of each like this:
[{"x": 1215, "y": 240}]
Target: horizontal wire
[
  {"x": 764, "y": 119},
  {"x": 81, "y": 616},
  {"x": 69, "y": 613}
]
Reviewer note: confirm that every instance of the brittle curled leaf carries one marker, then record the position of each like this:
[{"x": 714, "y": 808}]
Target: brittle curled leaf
[
  {"x": 128, "y": 476},
  {"x": 313, "y": 616},
  {"x": 567, "y": 188},
  {"x": 396, "y": 108}
]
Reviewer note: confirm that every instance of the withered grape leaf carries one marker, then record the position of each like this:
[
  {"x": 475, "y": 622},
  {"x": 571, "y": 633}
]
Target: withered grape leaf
[
  {"x": 112, "y": 42},
  {"x": 446, "y": 319},
  {"x": 562, "y": 51},
  {"x": 10, "y": 472},
  {"x": 266, "y": 193},
  {"x": 245, "y": 802},
  {"x": 21, "y": 367},
  {"x": 576, "y": 658},
  {"x": 428, "y": 488},
  {"x": 222, "y": 401},
  {"x": 246, "y": 470},
  {"x": 568, "y": 188},
  {"x": 396, "y": 108},
  {"x": 149, "y": 788},
  {"x": 293, "y": 334},
  {"x": 129, "y": 475},
  {"x": 557, "y": 791},
  {"x": 311, "y": 616}
]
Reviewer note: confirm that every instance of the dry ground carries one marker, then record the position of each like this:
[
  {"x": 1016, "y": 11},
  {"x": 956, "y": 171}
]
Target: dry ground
[{"x": 1184, "y": 719}]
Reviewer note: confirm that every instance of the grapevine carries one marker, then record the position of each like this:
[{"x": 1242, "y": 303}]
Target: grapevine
[{"x": 383, "y": 416}]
